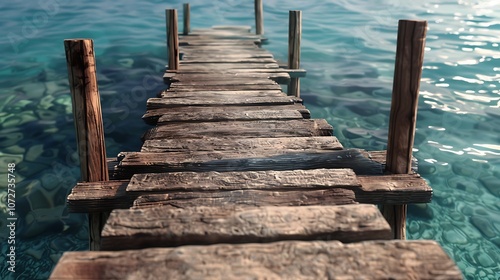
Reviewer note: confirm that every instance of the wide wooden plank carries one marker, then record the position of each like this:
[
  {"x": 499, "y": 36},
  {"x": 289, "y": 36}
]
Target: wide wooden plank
[
  {"x": 225, "y": 81},
  {"x": 395, "y": 259},
  {"x": 227, "y": 87},
  {"x": 154, "y": 103},
  {"x": 152, "y": 115},
  {"x": 168, "y": 227},
  {"x": 226, "y": 60},
  {"x": 245, "y": 145},
  {"x": 197, "y": 55},
  {"x": 240, "y": 129},
  {"x": 218, "y": 94},
  {"x": 387, "y": 189},
  {"x": 247, "y": 198},
  {"x": 254, "y": 115},
  {"x": 280, "y": 77},
  {"x": 227, "y": 66},
  {"x": 134, "y": 163},
  {"x": 251, "y": 180}
]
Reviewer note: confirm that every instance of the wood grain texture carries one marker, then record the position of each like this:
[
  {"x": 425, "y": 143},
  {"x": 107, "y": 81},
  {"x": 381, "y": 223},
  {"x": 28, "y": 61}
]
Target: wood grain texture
[
  {"x": 242, "y": 129},
  {"x": 135, "y": 163},
  {"x": 245, "y": 145},
  {"x": 172, "y": 93},
  {"x": 152, "y": 115},
  {"x": 235, "y": 81},
  {"x": 208, "y": 116},
  {"x": 167, "y": 227},
  {"x": 403, "y": 117},
  {"x": 87, "y": 114},
  {"x": 280, "y": 260},
  {"x": 155, "y": 103},
  {"x": 386, "y": 189},
  {"x": 294, "y": 38},
  {"x": 172, "y": 39}
]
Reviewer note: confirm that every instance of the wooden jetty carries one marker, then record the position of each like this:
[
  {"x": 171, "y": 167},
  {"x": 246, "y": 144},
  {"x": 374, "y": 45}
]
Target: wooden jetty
[{"x": 235, "y": 180}]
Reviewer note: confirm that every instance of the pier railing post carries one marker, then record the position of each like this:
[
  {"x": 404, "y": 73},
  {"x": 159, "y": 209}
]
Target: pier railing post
[
  {"x": 406, "y": 84},
  {"x": 186, "y": 19},
  {"x": 294, "y": 36},
  {"x": 88, "y": 122},
  {"x": 172, "y": 39},
  {"x": 259, "y": 17}
]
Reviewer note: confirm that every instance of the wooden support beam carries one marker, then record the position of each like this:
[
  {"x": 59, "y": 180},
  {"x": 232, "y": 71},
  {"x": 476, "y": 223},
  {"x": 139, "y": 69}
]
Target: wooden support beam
[
  {"x": 407, "y": 73},
  {"x": 259, "y": 17},
  {"x": 88, "y": 122},
  {"x": 294, "y": 37},
  {"x": 186, "y": 19},
  {"x": 172, "y": 39}
]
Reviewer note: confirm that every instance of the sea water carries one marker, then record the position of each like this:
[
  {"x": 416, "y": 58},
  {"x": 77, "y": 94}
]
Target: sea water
[{"x": 348, "y": 50}]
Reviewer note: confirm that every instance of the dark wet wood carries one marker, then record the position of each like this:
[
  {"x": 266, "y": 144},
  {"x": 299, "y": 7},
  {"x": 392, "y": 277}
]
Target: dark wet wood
[
  {"x": 168, "y": 227},
  {"x": 280, "y": 260}
]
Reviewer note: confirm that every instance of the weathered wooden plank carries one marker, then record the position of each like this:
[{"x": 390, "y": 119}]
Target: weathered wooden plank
[
  {"x": 247, "y": 198},
  {"x": 226, "y": 66},
  {"x": 226, "y": 60},
  {"x": 198, "y": 55},
  {"x": 208, "y": 116},
  {"x": 244, "y": 145},
  {"x": 172, "y": 93},
  {"x": 167, "y": 227},
  {"x": 228, "y": 87},
  {"x": 134, "y": 163},
  {"x": 241, "y": 129},
  {"x": 103, "y": 196},
  {"x": 230, "y": 82},
  {"x": 280, "y": 77},
  {"x": 387, "y": 189},
  {"x": 154, "y": 103},
  {"x": 214, "y": 181},
  {"x": 395, "y": 259},
  {"x": 152, "y": 115}
]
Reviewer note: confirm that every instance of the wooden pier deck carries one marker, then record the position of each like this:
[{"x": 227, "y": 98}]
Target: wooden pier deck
[{"x": 236, "y": 181}]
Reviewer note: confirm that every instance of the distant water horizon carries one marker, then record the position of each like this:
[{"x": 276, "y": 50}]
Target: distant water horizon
[{"x": 348, "y": 50}]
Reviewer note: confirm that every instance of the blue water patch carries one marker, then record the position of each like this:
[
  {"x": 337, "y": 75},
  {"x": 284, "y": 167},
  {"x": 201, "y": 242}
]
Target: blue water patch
[{"x": 348, "y": 49}]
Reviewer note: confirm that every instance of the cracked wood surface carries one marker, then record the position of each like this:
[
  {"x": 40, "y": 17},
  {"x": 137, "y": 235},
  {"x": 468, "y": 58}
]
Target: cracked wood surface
[
  {"x": 167, "y": 227},
  {"x": 279, "y": 260}
]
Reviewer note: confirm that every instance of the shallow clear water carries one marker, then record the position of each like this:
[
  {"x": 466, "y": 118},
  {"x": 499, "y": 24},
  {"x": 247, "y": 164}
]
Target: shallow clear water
[{"x": 348, "y": 50}]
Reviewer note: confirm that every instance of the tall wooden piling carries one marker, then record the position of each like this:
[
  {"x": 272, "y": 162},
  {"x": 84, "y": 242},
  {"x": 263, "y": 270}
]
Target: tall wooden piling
[
  {"x": 407, "y": 74},
  {"x": 259, "y": 17},
  {"x": 172, "y": 39},
  {"x": 186, "y": 19},
  {"x": 88, "y": 122},
  {"x": 294, "y": 37}
]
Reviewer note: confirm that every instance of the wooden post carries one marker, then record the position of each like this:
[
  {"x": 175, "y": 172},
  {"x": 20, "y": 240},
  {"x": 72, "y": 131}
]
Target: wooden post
[
  {"x": 259, "y": 17},
  {"x": 294, "y": 36},
  {"x": 187, "y": 18},
  {"x": 172, "y": 39},
  {"x": 407, "y": 74},
  {"x": 88, "y": 122}
]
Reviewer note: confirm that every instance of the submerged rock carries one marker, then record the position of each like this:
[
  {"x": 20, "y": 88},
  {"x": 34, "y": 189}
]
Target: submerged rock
[
  {"x": 483, "y": 225},
  {"x": 421, "y": 210},
  {"x": 492, "y": 184}
]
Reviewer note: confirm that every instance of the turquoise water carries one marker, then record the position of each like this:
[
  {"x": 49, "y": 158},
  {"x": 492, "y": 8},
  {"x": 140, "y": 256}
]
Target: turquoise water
[{"x": 348, "y": 49}]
